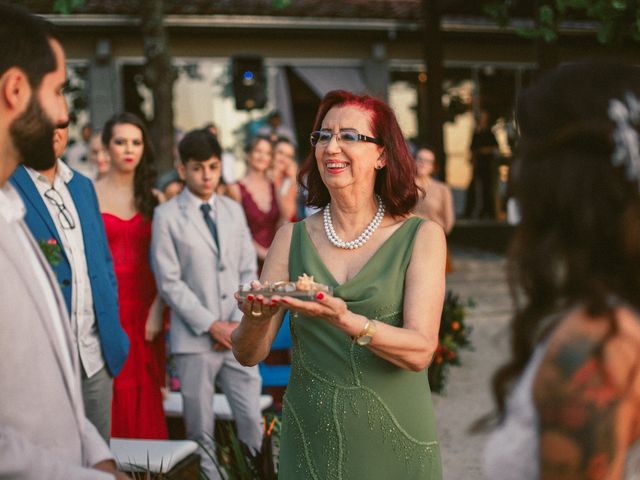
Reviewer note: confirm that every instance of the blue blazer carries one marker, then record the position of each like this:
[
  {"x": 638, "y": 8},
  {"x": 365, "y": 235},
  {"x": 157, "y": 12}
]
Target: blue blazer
[{"x": 113, "y": 339}]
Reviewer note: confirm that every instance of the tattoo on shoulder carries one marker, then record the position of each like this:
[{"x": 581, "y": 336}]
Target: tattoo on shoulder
[{"x": 577, "y": 405}]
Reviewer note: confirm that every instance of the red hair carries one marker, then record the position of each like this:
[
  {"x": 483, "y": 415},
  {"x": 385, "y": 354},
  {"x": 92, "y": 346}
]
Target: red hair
[{"x": 395, "y": 183}]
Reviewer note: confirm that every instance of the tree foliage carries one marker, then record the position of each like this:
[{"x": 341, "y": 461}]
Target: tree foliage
[
  {"x": 618, "y": 20},
  {"x": 66, "y": 6},
  {"x": 159, "y": 73}
]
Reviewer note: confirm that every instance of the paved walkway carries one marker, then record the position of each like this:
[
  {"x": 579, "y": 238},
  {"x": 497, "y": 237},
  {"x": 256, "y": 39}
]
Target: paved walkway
[{"x": 479, "y": 276}]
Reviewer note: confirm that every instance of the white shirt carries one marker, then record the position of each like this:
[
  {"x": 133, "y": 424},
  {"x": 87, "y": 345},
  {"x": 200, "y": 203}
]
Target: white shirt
[
  {"x": 82, "y": 314},
  {"x": 12, "y": 209},
  {"x": 196, "y": 202},
  {"x": 77, "y": 157}
]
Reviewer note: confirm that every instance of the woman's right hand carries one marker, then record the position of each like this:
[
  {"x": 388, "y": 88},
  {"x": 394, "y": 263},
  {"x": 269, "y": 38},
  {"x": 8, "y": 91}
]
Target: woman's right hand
[
  {"x": 251, "y": 341},
  {"x": 332, "y": 309},
  {"x": 255, "y": 306},
  {"x": 253, "y": 338}
]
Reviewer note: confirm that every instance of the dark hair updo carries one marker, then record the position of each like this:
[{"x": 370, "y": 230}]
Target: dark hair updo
[{"x": 578, "y": 242}]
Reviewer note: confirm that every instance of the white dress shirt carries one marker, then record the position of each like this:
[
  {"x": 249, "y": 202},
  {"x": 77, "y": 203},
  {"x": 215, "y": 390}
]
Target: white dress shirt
[
  {"x": 82, "y": 314},
  {"x": 196, "y": 202},
  {"x": 77, "y": 157},
  {"x": 13, "y": 210}
]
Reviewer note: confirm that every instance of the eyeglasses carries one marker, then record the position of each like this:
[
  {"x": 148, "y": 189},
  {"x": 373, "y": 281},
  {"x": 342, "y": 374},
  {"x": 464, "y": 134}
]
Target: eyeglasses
[
  {"x": 64, "y": 215},
  {"x": 347, "y": 136}
]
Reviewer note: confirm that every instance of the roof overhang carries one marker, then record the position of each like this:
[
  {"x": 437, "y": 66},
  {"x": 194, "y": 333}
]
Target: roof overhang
[{"x": 267, "y": 22}]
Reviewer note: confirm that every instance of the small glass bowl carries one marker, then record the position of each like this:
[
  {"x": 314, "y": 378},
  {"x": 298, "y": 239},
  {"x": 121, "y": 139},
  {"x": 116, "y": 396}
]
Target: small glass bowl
[{"x": 284, "y": 289}]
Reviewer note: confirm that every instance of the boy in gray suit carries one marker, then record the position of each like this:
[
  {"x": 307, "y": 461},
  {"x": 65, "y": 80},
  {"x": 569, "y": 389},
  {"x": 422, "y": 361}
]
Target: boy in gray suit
[{"x": 201, "y": 251}]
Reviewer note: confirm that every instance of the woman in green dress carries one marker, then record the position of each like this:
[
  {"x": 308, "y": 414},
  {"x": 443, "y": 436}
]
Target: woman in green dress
[{"x": 358, "y": 404}]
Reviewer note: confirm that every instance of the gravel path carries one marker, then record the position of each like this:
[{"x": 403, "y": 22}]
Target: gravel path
[{"x": 480, "y": 276}]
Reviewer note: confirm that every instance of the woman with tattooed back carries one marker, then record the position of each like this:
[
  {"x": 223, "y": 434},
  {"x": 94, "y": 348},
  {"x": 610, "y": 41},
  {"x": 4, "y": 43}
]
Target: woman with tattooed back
[{"x": 569, "y": 397}]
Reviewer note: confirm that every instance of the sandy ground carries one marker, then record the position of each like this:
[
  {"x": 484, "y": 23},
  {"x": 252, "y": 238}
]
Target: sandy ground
[{"x": 480, "y": 276}]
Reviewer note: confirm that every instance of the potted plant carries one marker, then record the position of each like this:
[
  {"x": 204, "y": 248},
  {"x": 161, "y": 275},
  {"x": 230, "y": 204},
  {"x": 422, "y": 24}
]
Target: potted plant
[{"x": 454, "y": 336}]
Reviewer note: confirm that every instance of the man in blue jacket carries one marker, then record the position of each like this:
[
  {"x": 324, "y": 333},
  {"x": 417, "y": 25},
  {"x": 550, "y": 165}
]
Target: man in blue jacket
[{"x": 63, "y": 216}]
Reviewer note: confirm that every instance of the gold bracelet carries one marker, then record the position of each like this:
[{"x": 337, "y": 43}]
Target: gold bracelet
[
  {"x": 367, "y": 333},
  {"x": 364, "y": 329}
]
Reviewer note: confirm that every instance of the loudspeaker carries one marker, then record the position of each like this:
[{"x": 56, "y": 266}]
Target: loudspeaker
[{"x": 249, "y": 82}]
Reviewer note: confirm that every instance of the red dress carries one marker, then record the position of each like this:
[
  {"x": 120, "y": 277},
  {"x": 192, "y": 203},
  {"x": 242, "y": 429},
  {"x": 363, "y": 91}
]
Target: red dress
[
  {"x": 263, "y": 225},
  {"x": 137, "y": 400}
]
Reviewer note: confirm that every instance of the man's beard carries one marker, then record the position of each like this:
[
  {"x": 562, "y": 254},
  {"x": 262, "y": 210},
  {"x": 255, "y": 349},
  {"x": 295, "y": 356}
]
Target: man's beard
[{"x": 32, "y": 135}]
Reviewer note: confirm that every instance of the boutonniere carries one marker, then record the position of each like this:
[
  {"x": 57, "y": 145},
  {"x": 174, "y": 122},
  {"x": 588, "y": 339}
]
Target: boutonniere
[{"x": 51, "y": 250}]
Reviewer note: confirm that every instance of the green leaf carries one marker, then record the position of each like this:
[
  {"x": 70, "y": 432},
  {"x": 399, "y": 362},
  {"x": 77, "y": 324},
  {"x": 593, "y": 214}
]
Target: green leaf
[
  {"x": 549, "y": 35},
  {"x": 606, "y": 32},
  {"x": 562, "y": 6},
  {"x": 546, "y": 15},
  {"x": 65, "y": 7},
  {"x": 498, "y": 11},
  {"x": 619, "y": 5},
  {"x": 530, "y": 33},
  {"x": 619, "y": 20},
  {"x": 635, "y": 28},
  {"x": 281, "y": 3},
  {"x": 62, "y": 6}
]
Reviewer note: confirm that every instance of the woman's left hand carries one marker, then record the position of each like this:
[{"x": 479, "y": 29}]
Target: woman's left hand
[
  {"x": 153, "y": 325},
  {"x": 332, "y": 309},
  {"x": 160, "y": 196}
]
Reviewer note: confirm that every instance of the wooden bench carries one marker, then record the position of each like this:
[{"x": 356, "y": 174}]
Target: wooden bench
[
  {"x": 173, "y": 405},
  {"x": 176, "y": 459},
  {"x": 173, "y": 410}
]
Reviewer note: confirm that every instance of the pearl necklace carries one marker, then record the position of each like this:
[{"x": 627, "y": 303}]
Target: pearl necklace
[{"x": 362, "y": 238}]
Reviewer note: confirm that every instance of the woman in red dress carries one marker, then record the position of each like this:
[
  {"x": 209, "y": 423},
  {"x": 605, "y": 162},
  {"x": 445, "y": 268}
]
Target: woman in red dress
[{"x": 127, "y": 203}]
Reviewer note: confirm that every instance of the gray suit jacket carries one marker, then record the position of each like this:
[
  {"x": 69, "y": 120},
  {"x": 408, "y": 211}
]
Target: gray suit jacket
[
  {"x": 43, "y": 430},
  {"x": 193, "y": 277}
]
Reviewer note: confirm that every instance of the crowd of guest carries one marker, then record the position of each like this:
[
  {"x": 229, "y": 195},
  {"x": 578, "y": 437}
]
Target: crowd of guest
[
  {"x": 131, "y": 236},
  {"x": 99, "y": 270},
  {"x": 102, "y": 267},
  {"x": 123, "y": 170},
  {"x": 141, "y": 265}
]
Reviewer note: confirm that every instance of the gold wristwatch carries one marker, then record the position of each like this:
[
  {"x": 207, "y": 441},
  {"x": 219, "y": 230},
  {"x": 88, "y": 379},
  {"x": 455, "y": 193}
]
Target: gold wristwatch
[{"x": 366, "y": 334}]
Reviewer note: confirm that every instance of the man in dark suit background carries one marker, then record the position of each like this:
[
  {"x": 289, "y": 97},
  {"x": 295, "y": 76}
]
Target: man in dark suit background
[{"x": 62, "y": 205}]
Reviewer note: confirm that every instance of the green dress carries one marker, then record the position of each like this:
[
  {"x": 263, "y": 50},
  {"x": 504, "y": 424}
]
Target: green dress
[{"x": 349, "y": 414}]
